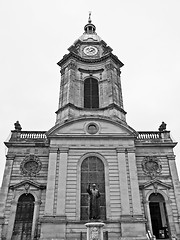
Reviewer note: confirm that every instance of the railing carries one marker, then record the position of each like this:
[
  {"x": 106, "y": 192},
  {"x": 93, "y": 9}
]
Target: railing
[
  {"x": 154, "y": 136},
  {"x": 28, "y": 136},
  {"x": 149, "y": 135},
  {"x": 33, "y": 134}
]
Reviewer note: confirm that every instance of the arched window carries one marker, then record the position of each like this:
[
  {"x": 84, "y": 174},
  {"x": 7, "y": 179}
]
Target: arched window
[
  {"x": 92, "y": 171},
  {"x": 91, "y": 93},
  {"x": 158, "y": 216},
  {"x": 24, "y": 218}
]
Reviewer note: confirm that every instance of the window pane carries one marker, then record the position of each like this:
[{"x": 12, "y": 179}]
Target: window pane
[
  {"x": 100, "y": 165},
  {"x": 102, "y": 200},
  {"x": 84, "y": 213},
  {"x": 101, "y": 187},
  {"x": 84, "y": 177},
  {"x": 100, "y": 176},
  {"x": 92, "y": 166},
  {"x": 84, "y": 188},
  {"x": 84, "y": 199},
  {"x": 84, "y": 166},
  {"x": 92, "y": 177}
]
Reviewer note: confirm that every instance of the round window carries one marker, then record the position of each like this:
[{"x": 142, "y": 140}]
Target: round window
[{"x": 92, "y": 128}]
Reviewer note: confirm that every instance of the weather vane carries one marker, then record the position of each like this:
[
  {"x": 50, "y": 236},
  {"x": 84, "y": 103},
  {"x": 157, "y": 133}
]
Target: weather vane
[{"x": 89, "y": 20}]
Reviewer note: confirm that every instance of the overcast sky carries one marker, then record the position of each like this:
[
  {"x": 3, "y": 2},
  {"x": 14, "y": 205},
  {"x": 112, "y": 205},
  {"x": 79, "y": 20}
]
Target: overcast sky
[{"x": 34, "y": 36}]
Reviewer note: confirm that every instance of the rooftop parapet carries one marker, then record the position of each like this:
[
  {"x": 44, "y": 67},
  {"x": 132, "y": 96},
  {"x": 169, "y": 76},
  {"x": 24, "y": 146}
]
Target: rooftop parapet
[
  {"x": 27, "y": 136},
  {"x": 154, "y": 136}
]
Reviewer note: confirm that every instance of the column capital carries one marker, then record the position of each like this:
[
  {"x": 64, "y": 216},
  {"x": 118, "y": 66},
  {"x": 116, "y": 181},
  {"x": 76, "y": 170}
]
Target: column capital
[
  {"x": 53, "y": 149},
  {"x": 171, "y": 157},
  {"x": 10, "y": 156},
  {"x": 63, "y": 149},
  {"x": 120, "y": 150},
  {"x": 130, "y": 150}
]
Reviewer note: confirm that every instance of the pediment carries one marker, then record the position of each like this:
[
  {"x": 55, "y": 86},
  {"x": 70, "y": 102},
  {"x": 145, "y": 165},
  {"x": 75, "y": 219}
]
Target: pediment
[
  {"x": 80, "y": 127},
  {"x": 27, "y": 183},
  {"x": 154, "y": 184}
]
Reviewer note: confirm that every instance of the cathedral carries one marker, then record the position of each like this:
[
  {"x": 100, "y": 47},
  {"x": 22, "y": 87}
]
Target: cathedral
[{"x": 44, "y": 190}]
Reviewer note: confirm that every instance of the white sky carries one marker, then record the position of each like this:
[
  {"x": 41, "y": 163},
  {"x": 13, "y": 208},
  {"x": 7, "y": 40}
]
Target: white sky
[{"x": 34, "y": 36}]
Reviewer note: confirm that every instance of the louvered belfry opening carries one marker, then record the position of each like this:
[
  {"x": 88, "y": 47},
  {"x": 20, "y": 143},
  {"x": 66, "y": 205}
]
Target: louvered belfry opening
[
  {"x": 91, "y": 93},
  {"x": 92, "y": 171},
  {"x": 24, "y": 218}
]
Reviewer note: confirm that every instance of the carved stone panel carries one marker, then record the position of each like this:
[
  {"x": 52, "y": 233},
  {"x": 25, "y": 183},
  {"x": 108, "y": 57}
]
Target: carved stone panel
[
  {"x": 151, "y": 165},
  {"x": 30, "y": 166}
]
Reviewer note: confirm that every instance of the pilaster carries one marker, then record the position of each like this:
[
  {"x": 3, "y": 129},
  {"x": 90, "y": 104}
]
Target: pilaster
[
  {"x": 123, "y": 183},
  {"x": 5, "y": 183},
  {"x": 50, "y": 192},
  {"x": 136, "y": 202},
  {"x": 175, "y": 179},
  {"x": 61, "y": 195},
  {"x": 109, "y": 71}
]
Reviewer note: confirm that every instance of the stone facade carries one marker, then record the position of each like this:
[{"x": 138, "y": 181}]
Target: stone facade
[{"x": 140, "y": 185}]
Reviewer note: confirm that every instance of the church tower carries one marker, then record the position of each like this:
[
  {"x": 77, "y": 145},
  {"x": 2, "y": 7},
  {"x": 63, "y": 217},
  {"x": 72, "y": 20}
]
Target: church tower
[
  {"x": 44, "y": 191},
  {"x": 90, "y": 80}
]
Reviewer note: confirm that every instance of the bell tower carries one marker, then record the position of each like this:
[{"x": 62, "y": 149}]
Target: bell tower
[{"x": 90, "y": 80}]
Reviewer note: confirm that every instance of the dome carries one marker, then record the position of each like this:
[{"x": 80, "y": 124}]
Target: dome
[
  {"x": 89, "y": 37},
  {"x": 90, "y": 32}
]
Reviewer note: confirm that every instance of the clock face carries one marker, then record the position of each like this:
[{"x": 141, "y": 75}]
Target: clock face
[{"x": 90, "y": 50}]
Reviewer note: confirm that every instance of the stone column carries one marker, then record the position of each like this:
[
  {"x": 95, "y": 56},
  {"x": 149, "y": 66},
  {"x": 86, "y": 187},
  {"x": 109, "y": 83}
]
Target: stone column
[
  {"x": 61, "y": 194},
  {"x": 123, "y": 183},
  {"x": 49, "y": 204},
  {"x": 94, "y": 230},
  {"x": 5, "y": 187},
  {"x": 136, "y": 202}
]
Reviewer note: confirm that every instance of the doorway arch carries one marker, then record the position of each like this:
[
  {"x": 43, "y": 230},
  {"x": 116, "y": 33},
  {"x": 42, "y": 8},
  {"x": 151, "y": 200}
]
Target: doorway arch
[
  {"x": 158, "y": 213},
  {"x": 24, "y": 217}
]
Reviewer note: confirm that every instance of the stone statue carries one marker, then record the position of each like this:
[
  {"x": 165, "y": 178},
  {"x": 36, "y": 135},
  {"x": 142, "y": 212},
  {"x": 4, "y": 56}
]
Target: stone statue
[
  {"x": 17, "y": 126},
  {"x": 94, "y": 204},
  {"x": 162, "y": 127}
]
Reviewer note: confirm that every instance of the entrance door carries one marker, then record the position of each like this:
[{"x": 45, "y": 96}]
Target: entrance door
[
  {"x": 24, "y": 218},
  {"x": 158, "y": 216}
]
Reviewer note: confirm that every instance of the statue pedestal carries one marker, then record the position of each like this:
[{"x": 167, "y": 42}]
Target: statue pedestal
[{"x": 94, "y": 230}]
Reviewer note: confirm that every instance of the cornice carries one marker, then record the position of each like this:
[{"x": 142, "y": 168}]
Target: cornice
[
  {"x": 94, "y": 60},
  {"x": 29, "y": 182},
  {"x": 26, "y": 144},
  {"x": 154, "y": 144},
  {"x": 113, "y": 105},
  {"x": 153, "y": 182}
]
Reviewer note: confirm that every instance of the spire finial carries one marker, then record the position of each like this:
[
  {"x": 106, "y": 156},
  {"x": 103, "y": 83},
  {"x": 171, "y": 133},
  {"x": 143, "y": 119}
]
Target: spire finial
[{"x": 89, "y": 20}]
